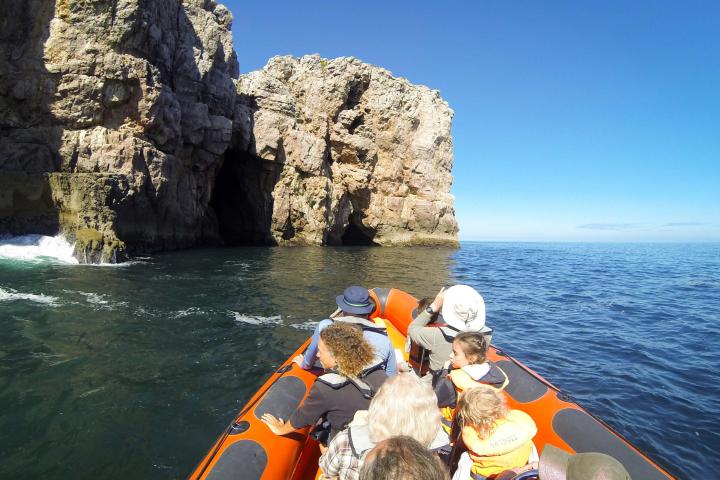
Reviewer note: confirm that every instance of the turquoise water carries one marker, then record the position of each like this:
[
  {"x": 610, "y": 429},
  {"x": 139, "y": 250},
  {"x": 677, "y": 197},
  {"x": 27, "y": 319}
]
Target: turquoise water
[{"x": 134, "y": 370}]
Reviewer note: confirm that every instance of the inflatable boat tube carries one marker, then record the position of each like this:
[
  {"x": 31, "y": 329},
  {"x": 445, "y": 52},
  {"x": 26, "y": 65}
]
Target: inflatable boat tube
[{"x": 247, "y": 449}]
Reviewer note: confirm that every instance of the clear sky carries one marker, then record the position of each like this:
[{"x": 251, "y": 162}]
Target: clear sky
[{"x": 592, "y": 120}]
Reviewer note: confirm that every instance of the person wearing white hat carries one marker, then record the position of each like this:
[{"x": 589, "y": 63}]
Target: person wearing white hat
[{"x": 461, "y": 309}]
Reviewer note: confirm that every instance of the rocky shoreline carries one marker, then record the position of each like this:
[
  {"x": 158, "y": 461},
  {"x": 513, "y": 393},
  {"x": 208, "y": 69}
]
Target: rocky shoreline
[{"x": 127, "y": 127}]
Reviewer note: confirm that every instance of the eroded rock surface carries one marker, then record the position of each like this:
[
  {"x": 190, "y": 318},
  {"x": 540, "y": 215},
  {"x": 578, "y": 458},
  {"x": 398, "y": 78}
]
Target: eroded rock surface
[
  {"x": 114, "y": 116},
  {"x": 360, "y": 156},
  {"x": 123, "y": 125}
]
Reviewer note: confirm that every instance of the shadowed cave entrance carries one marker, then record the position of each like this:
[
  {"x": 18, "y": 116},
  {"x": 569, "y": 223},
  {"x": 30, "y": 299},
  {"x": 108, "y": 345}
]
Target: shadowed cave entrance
[
  {"x": 242, "y": 199},
  {"x": 356, "y": 234}
]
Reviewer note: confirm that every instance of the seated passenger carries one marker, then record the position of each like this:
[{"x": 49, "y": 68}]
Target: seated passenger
[
  {"x": 354, "y": 306},
  {"x": 468, "y": 368},
  {"x": 404, "y": 405},
  {"x": 402, "y": 458},
  {"x": 461, "y": 309},
  {"x": 352, "y": 377},
  {"x": 496, "y": 438},
  {"x": 556, "y": 464}
]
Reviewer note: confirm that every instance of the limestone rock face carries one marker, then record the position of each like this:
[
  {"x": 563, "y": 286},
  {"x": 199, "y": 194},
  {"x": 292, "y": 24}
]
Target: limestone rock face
[
  {"x": 357, "y": 155},
  {"x": 114, "y": 115},
  {"x": 124, "y": 124}
]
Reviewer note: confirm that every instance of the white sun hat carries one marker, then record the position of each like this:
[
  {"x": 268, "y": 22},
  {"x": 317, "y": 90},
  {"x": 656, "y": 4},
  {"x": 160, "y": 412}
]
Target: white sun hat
[{"x": 464, "y": 308}]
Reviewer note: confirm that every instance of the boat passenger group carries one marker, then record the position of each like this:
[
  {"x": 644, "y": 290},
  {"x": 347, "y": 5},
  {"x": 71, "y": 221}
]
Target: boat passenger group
[{"x": 377, "y": 419}]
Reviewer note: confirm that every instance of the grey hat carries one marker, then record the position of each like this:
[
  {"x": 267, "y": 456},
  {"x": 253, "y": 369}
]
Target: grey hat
[{"x": 556, "y": 464}]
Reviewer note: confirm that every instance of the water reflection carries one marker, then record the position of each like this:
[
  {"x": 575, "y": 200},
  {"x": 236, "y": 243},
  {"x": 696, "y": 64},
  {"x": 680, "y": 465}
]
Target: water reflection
[
  {"x": 133, "y": 371},
  {"x": 123, "y": 353},
  {"x": 324, "y": 272}
]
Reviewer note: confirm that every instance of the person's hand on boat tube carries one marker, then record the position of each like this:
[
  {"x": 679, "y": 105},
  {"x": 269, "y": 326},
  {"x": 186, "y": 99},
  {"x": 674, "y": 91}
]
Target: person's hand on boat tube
[
  {"x": 276, "y": 425},
  {"x": 298, "y": 359}
]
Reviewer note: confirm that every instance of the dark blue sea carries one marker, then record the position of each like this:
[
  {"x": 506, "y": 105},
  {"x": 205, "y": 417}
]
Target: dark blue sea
[{"x": 132, "y": 371}]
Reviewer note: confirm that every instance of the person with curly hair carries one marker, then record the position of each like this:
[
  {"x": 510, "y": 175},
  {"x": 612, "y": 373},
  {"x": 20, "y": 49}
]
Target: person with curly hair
[
  {"x": 497, "y": 438},
  {"x": 354, "y": 306},
  {"x": 352, "y": 377}
]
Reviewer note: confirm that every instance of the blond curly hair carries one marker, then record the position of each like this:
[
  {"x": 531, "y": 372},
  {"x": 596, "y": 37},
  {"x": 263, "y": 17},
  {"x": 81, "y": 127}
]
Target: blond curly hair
[
  {"x": 481, "y": 407},
  {"x": 351, "y": 351}
]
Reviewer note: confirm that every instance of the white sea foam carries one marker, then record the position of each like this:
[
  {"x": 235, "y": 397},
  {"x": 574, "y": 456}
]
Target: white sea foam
[
  {"x": 304, "y": 326},
  {"x": 187, "y": 311},
  {"x": 256, "y": 319},
  {"x": 100, "y": 301},
  {"x": 136, "y": 261},
  {"x": 90, "y": 392},
  {"x": 237, "y": 264},
  {"x": 37, "y": 248},
  {"x": 60, "y": 362},
  {"x": 10, "y": 295}
]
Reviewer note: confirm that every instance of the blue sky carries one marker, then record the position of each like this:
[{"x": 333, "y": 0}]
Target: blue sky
[{"x": 574, "y": 120}]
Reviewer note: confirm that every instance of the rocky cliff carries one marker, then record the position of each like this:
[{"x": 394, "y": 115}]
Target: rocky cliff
[
  {"x": 358, "y": 156},
  {"x": 124, "y": 125}
]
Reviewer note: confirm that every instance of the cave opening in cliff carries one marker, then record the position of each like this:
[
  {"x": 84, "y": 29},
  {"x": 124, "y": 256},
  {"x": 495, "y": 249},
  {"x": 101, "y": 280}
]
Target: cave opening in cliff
[
  {"x": 27, "y": 206},
  {"x": 242, "y": 199},
  {"x": 356, "y": 234}
]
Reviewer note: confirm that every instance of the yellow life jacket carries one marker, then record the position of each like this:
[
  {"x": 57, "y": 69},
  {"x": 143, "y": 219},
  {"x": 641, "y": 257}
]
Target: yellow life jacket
[
  {"x": 462, "y": 380},
  {"x": 509, "y": 446}
]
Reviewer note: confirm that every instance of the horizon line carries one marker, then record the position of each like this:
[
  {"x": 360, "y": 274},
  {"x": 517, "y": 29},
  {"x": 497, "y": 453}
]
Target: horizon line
[{"x": 584, "y": 241}]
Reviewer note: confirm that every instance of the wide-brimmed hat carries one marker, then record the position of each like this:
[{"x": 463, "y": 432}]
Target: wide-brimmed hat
[
  {"x": 556, "y": 464},
  {"x": 463, "y": 308},
  {"x": 355, "y": 299}
]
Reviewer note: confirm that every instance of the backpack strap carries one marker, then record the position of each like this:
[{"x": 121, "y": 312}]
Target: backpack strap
[
  {"x": 449, "y": 332},
  {"x": 366, "y": 325},
  {"x": 359, "y": 437},
  {"x": 335, "y": 380}
]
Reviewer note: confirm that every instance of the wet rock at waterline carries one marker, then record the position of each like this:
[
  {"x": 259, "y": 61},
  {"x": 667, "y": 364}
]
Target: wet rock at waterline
[{"x": 126, "y": 127}]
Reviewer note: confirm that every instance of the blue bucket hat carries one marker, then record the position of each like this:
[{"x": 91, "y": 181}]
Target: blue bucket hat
[{"x": 355, "y": 299}]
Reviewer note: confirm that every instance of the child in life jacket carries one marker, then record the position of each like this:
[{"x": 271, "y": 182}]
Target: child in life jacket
[
  {"x": 496, "y": 437},
  {"x": 468, "y": 367}
]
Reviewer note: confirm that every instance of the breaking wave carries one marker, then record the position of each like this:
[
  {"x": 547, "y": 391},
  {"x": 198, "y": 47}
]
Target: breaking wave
[{"x": 37, "y": 248}]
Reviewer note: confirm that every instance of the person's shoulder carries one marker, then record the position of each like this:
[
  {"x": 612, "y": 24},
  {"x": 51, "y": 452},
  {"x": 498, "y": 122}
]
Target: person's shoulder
[
  {"x": 376, "y": 337},
  {"x": 320, "y": 388},
  {"x": 379, "y": 373},
  {"x": 342, "y": 439},
  {"x": 377, "y": 377},
  {"x": 433, "y": 331}
]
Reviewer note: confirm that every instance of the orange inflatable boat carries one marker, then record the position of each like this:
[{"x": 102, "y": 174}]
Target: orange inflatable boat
[{"x": 249, "y": 450}]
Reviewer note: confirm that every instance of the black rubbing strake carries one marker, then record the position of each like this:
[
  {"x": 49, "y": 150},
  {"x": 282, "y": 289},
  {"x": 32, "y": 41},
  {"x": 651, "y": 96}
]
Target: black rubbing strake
[
  {"x": 586, "y": 434},
  {"x": 245, "y": 459},
  {"x": 522, "y": 386}
]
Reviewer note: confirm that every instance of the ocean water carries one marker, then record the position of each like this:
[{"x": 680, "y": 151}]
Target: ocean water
[{"x": 132, "y": 371}]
